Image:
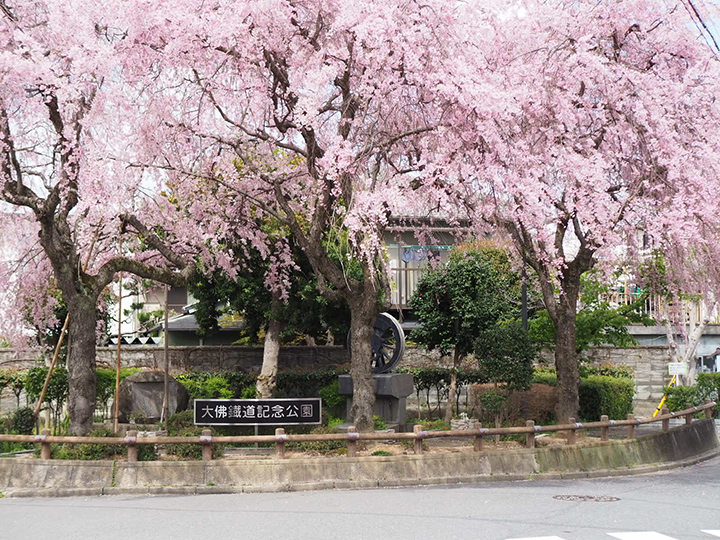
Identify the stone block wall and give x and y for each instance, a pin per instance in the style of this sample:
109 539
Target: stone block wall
651 373
648 362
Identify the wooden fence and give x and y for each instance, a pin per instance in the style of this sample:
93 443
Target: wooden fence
530 430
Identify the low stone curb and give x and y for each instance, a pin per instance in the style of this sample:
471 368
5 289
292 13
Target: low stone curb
346 484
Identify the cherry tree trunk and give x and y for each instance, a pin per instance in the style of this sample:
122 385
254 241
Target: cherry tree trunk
362 320
566 365
267 380
81 364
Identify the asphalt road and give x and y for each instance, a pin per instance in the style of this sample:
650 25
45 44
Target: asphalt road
679 504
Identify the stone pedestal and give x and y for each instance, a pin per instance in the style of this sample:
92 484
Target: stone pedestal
391 392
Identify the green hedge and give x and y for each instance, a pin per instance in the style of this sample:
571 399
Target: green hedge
708 387
606 395
598 395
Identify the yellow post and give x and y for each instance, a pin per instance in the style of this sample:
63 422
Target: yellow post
673 382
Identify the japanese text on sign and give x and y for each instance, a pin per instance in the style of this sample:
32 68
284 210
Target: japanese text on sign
257 411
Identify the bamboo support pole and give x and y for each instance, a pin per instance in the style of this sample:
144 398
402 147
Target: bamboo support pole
56 354
118 361
62 334
166 353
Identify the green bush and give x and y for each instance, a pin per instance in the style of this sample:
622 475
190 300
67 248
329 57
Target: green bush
679 396
381 453
305 383
505 353
180 421
606 395
607 369
249 392
545 377
320 447
95 451
205 385
191 450
599 394
331 396
6 426
428 425
23 421
709 385
378 423
181 425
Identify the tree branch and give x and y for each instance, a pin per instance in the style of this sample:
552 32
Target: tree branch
154 240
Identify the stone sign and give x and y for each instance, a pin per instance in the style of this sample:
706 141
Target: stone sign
141 395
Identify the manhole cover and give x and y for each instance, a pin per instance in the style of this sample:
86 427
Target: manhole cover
591 498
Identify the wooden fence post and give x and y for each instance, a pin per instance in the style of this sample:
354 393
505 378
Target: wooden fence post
280 439
688 416
530 436
665 421
604 430
630 433
572 437
478 439
132 451
206 440
710 411
352 441
44 445
417 429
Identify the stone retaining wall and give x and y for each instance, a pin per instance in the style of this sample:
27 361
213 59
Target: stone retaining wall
644 454
648 362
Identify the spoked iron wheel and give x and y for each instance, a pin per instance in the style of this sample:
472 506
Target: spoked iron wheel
388 343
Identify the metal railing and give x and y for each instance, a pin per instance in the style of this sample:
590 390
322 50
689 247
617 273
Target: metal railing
352 437
404 282
660 308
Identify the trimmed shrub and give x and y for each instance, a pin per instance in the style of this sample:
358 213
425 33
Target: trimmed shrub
606 395
709 385
90 451
679 396
180 420
181 425
191 450
545 377
598 395
319 447
607 369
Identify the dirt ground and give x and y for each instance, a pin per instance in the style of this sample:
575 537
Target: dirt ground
431 446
